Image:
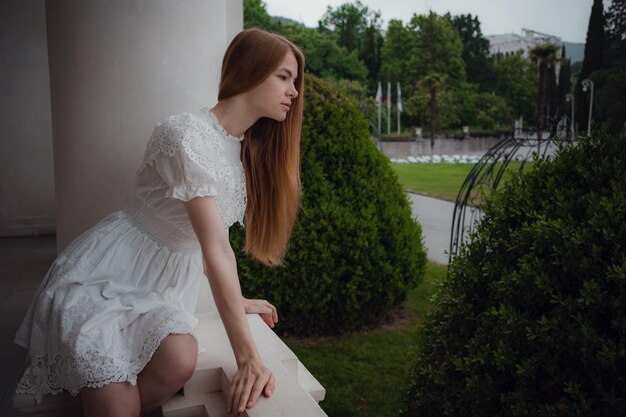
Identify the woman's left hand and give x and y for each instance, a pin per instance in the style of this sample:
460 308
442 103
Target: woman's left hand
267 311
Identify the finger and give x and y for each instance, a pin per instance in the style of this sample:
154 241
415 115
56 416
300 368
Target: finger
266 319
268 316
232 395
256 392
270 386
274 312
265 313
245 395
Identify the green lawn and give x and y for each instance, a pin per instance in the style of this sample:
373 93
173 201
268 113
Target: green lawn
366 374
440 180
436 180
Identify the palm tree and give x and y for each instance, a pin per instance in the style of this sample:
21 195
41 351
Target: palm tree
433 83
545 56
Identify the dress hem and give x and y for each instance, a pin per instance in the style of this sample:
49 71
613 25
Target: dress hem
35 383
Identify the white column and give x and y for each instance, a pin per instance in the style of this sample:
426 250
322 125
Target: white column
117 67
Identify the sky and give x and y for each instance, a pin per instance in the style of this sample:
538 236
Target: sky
567 19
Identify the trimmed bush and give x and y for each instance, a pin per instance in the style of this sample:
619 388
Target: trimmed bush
531 320
355 250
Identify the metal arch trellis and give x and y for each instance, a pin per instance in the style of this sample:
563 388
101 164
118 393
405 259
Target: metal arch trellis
488 172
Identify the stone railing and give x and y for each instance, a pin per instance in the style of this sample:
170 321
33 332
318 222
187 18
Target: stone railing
297 392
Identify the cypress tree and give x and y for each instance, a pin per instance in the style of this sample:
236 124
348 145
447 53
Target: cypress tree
615 25
564 86
552 91
593 61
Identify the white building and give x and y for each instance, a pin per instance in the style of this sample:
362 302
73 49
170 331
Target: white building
504 45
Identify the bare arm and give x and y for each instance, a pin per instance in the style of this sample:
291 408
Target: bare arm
263 308
221 269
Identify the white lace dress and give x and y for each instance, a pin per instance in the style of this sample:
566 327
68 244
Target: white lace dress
121 287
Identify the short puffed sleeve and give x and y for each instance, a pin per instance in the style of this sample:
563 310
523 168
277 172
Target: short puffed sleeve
183 158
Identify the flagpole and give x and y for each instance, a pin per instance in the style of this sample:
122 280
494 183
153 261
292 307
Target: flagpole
388 107
398 122
399 99
379 99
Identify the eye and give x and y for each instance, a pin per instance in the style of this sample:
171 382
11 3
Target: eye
283 77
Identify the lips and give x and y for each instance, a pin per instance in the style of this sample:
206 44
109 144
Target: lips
286 106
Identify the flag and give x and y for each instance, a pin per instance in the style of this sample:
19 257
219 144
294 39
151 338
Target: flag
379 95
399 99
389 94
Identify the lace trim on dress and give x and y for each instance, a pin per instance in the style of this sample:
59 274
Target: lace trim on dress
204 144
181 132
93 369
220 127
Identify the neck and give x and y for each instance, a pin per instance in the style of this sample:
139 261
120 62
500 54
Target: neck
233 115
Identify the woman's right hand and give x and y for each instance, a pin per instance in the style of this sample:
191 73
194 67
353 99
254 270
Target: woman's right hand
249 381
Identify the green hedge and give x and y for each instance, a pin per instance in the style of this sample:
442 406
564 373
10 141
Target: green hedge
355 249
531 320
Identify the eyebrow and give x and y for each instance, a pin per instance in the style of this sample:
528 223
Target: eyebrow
287 71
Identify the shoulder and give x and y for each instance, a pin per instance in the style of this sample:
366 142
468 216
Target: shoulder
190 133
176 127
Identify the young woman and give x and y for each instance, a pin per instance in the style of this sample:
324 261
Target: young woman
113 318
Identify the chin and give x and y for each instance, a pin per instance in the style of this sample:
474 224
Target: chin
278 118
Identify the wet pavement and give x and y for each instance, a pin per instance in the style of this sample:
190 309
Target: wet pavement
435 217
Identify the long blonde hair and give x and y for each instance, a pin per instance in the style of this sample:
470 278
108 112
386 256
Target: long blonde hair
270 152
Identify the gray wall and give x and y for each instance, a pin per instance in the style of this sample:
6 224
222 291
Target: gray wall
117 68
27 179
97 76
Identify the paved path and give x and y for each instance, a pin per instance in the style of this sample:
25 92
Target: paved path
435 216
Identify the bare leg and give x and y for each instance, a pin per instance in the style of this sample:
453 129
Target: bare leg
116 399
171 366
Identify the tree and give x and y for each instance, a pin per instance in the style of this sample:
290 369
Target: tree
594 45
255 15
564 85
545 58
434 113
492 111
615 31
428 44
371 52
324 57
357 28
593 60
516 81
475 52
611 83
438 48
609 105
465 104
397 49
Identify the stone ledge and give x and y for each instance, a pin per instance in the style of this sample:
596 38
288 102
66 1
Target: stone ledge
297 391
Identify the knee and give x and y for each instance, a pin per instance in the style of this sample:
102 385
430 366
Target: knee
181 368
180 362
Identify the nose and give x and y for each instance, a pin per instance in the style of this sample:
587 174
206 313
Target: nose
293 93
